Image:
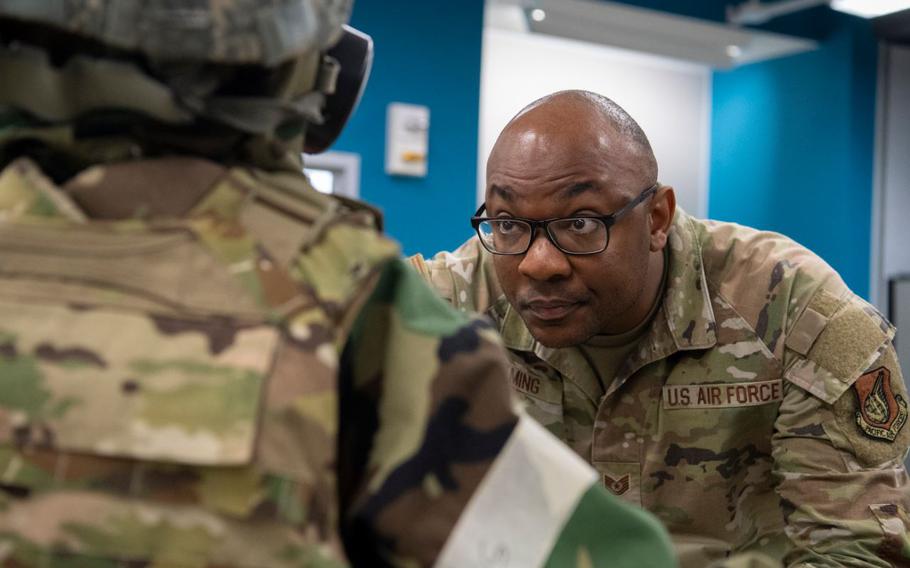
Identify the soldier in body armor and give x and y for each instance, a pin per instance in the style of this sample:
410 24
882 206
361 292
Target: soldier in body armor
204 361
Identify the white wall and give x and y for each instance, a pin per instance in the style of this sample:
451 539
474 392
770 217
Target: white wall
671 100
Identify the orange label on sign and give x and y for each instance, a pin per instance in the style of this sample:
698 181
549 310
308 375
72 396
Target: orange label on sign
722 395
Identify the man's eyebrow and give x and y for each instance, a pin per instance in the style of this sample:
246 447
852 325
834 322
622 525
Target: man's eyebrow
577 189
503 191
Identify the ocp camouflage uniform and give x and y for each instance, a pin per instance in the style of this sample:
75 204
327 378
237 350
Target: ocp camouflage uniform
762 415
205 362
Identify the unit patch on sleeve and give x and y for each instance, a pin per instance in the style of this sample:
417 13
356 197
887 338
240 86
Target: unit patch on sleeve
880 413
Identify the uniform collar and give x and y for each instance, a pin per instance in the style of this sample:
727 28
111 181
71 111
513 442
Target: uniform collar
686 301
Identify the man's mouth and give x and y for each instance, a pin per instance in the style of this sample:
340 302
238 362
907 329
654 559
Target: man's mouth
550 310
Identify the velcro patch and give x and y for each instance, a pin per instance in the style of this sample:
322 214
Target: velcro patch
722 395
880 413
806 331
851 342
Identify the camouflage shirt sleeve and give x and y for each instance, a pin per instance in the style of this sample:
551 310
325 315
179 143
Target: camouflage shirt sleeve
431 444
464 277
841 437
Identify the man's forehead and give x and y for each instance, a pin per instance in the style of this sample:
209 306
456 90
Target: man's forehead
510 194
562 171
531 147
563 130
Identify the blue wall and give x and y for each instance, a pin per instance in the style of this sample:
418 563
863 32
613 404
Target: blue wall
792 147
426 53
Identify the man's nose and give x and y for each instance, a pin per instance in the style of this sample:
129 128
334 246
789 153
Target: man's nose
544 261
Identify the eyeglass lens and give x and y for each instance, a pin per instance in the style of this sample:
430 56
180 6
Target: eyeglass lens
512 236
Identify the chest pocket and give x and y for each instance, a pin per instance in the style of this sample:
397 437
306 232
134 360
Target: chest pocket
134 371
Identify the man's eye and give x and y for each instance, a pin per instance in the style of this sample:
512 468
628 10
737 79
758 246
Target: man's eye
583 226
506 227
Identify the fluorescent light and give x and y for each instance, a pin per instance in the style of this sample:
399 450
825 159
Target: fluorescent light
538 15
870 8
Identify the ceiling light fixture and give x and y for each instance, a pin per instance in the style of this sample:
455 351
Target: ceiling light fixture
620 25
870 8
538 15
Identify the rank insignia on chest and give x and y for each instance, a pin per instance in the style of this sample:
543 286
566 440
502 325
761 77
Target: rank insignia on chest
880 413
618 486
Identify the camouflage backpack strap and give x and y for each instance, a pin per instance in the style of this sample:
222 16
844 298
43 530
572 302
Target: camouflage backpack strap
333 253
368 210
313 261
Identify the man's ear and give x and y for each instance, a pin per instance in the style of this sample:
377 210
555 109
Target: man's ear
662 210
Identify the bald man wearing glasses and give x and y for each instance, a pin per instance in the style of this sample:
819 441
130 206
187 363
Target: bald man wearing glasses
723 378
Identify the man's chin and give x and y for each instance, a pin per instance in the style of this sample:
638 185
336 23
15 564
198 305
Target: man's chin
557 337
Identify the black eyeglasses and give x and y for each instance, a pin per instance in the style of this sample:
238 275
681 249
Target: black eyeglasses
583 234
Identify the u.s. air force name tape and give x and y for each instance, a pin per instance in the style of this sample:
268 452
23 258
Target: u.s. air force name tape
722 395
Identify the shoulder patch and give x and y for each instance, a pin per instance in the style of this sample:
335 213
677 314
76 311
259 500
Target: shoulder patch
835 347
880 413
872 419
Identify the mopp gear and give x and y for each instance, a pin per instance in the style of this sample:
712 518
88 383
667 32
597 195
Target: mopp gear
206 362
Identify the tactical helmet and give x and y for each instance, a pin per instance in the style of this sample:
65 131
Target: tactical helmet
295 38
